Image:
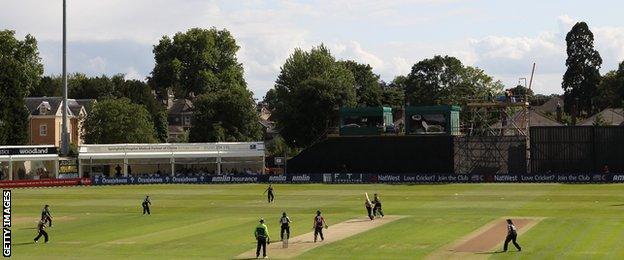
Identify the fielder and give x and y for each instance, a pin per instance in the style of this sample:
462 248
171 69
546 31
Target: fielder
146 203
262 236
41 228
318 224
46 216
285 221
270 196
512 234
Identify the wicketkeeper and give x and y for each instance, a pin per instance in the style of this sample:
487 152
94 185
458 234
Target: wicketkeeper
377 208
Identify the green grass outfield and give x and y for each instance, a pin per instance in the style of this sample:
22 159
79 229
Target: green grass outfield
217 221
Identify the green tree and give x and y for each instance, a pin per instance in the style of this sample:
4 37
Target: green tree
474 84
581 79
80 86
49 86
197 61
367 88
114 121
227 115
445 80
279 148
140 93
309 90
392 95
611 89
430 80
521 91
20 71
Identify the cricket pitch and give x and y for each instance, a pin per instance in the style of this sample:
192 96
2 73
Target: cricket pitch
302 243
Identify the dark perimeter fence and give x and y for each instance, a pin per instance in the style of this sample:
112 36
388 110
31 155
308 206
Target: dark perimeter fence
577 149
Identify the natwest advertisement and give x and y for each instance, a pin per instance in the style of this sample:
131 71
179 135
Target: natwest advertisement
45 183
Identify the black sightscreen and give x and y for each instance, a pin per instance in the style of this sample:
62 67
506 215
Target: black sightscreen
377 154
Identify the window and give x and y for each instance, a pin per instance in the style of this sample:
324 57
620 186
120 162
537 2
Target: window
187 120
43 130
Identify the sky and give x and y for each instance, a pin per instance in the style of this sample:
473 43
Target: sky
504 38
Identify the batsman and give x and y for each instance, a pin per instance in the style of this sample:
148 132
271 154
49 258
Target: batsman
319 223
285 228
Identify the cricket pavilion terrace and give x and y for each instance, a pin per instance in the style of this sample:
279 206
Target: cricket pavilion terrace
117 160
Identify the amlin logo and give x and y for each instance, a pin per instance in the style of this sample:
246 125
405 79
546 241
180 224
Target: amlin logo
277 178
618 177
301 178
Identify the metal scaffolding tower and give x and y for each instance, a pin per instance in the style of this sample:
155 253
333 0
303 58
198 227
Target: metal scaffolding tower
495 137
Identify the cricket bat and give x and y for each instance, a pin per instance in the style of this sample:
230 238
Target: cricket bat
367 197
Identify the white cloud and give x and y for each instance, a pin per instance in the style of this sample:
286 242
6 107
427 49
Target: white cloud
353 51
132 73
510 58
97 64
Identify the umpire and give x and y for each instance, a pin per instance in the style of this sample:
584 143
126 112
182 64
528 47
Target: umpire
262 236
146 203
512 234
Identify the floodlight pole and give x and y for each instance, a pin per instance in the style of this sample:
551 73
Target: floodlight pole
65 132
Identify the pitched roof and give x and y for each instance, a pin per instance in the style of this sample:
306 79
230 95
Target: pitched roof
551 105
181 106
33 103
536 118
611 116
54 103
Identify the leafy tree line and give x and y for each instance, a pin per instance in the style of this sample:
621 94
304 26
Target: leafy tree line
312 85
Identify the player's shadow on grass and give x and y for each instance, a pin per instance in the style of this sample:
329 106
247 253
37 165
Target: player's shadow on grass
23 243
358 220
489 253
617 205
